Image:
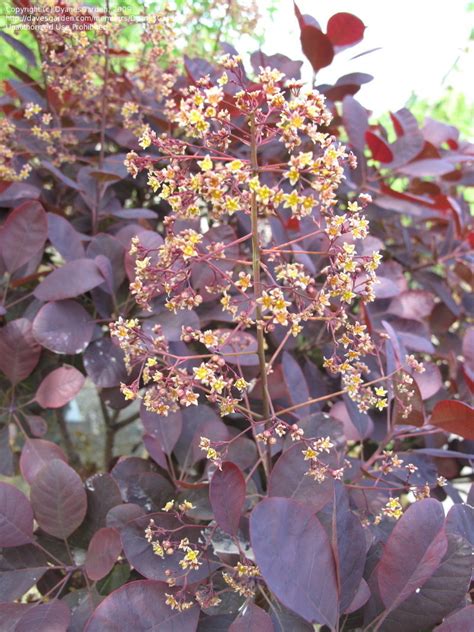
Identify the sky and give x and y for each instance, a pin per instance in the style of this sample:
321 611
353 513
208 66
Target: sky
420 41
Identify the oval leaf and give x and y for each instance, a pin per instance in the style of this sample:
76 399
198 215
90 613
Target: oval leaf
59 387
103 551
454 416
412 553
295 558
316 46
345 29
227 496
16 517
58 499
19 351
36 453
288 479
140 606
72 279
23 234
45 617
63 327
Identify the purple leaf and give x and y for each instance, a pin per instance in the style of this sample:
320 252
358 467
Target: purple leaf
140 606
104 363
407 400
63 327
227 496
295 558
442 593
412 553
348 543
58 499
288 479
102 495
460 620
20 568
72 279
254 619
460 520
65 238
16 517
23 234
356 121
379 148
166 430
36 453
24 51
19 351
53 616
59 387
103 551
427 167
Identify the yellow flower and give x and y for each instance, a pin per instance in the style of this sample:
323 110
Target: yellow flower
169 506
206 164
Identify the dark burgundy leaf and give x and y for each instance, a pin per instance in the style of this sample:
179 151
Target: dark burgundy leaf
427 167
295 383
412 553
72 279
140 606
437 133
361 597
103 551
413 304
36 453
63 327
23 235
65 238
102 494
316 46
16 517
153 447
227 496
253 619
19 351
104 363
165 429
348 543
58 499
60 176
444 591
20 568
11 613
24 51
379 149
461 620
454 416
135 213
288 479
460 520
295 558
345 29
59 387
356 121
53 616
202 421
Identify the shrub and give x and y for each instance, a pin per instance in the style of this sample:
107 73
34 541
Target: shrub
303 384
